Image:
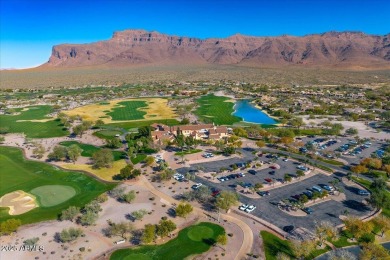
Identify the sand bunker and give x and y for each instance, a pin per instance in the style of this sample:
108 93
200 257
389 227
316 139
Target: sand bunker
18 202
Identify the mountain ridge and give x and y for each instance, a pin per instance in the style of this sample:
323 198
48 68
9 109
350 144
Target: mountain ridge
147 48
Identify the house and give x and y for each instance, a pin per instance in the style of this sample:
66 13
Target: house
199 131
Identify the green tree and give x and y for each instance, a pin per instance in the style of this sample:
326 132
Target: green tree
88 218
300 174
150 160
260 144
74 152
39 151
103 158
149 234
70 213
382 223
287 178
102 198
351 131
114 143
373 251
71 234
129 197
302 249
117 192
122 229
165 227
222 240
9 226
226 200
59 153
139 214
93 206
184 209
31 242
241 132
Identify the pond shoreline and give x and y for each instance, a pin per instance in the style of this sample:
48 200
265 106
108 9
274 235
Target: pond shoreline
256 107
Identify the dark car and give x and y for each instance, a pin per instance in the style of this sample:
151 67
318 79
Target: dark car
252 172
308 210
288 229
263 193
272 172
268 180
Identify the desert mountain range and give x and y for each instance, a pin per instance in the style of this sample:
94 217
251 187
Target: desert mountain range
140 47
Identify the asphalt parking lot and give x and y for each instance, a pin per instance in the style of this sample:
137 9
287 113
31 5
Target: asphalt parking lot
345 140
324 211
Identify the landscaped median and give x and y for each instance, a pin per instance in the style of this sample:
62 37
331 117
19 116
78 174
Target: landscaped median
190 241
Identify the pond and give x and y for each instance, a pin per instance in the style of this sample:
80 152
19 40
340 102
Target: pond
249 113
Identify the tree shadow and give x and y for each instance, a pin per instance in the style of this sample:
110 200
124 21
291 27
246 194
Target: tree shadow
356 205
209 241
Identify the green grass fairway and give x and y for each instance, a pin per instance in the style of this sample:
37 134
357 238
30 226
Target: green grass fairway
89 150
16 173
136 124
190 241
51 195
216 109
128 110
46 129
107 134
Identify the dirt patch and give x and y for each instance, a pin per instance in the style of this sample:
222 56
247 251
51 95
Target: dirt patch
18 202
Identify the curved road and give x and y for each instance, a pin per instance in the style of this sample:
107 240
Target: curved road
247 242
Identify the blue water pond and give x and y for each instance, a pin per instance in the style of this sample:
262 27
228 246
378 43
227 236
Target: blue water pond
249 113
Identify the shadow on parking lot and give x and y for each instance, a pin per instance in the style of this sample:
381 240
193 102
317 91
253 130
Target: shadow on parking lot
331 215
352 189
356 205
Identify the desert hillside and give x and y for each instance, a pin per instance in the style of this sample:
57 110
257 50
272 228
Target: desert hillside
354 50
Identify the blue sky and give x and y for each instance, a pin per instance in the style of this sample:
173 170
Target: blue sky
29 28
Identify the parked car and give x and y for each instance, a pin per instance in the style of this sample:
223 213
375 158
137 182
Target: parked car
243 207
272 172
327 187
316 188
273 167
196 186
308 210
263 193
250 208
268 180
363 192
253 172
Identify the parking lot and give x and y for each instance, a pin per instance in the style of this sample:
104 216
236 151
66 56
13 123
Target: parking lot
336 148
325 211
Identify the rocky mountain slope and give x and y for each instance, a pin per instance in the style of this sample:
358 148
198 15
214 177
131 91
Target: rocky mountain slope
139 47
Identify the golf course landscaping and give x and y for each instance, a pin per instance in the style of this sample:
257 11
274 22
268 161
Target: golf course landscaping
216 109
125 110
25 183
89 150
192 240
33 122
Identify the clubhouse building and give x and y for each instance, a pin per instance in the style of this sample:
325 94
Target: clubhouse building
199 132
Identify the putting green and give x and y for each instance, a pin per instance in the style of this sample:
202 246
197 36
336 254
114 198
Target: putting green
51 195
198 233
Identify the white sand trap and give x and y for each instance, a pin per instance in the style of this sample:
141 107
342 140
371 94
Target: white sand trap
18 202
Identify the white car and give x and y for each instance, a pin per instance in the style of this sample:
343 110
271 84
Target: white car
285 160
196 186
243 207
250 208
